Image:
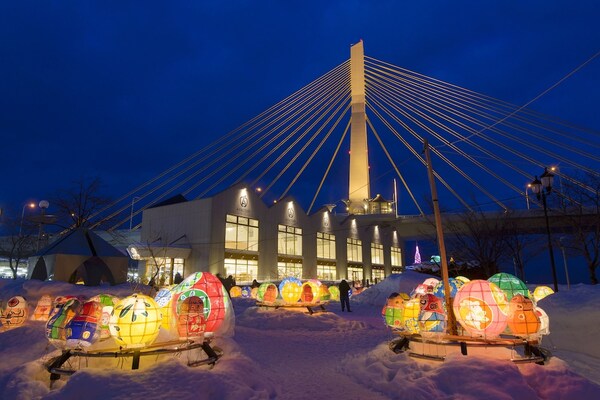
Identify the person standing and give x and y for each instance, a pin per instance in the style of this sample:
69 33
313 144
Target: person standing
344 295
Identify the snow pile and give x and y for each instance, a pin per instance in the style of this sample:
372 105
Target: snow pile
377 295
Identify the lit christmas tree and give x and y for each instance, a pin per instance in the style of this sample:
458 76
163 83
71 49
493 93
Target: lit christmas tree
417 255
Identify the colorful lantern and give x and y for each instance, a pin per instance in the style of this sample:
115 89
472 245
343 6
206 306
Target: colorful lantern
393 310
235 291
410 317
424 288
254 293
135 321
544 321
522 319
290 289
540 292
60 316
432 319
510 285
191 323
82 330
324 293
334 292
438 290
310 292
107 302
267 293
163 300
42 309
481 308
15 314
462 279
246 292
217 304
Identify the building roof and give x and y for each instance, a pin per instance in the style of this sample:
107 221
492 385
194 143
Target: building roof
81 242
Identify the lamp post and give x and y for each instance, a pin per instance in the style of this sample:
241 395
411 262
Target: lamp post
562 248
543 187
131 214
30 205
44 206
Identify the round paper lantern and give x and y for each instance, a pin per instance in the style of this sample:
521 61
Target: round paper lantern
16 312
522 319
510 285
217 304
235 291
82 329
425 287
462 279
540 292
191 323
481 308
433 282
334 292
544 321
393 310
60 316
267 293
163 300
42 309
439 288
246 292
107 301
290 289
310 292
410 317
254 293
432 320
324 293
135 321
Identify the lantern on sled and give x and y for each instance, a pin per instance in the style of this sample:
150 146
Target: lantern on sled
135 321
432 319
190 320
410 316
163 300
324 294
393 310
267 293
334 292
16 312
246 292
310 292
107 302
439 290
60 316
522 319
235 291
42 309
541 292
481 308
290 289
510 285
83 328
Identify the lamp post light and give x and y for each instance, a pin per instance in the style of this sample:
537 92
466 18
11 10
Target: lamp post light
30 205
43 206
131 213
543 187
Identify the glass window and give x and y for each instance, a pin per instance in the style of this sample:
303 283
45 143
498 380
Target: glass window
325 245
242 270
355 275
289 240
376 253
354 250
326 272
241 233
377 274
289 268
396 256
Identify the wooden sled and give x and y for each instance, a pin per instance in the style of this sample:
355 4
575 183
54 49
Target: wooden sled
311 307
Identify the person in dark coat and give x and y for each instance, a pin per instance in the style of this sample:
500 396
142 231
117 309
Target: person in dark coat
255 284
344 295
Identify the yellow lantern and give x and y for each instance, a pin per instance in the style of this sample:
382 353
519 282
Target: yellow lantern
235 291
290 289
135 321
163 300
42 309
334 291
410 317
541 292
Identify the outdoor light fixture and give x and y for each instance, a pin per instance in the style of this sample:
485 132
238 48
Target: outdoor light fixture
543 187
30 205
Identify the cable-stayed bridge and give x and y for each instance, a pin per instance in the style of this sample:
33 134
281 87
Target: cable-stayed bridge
359 130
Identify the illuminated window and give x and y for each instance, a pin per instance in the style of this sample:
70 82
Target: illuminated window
243 270
325 245
376 253
289 268
326 272
289 240
167 268
241 233
355 274
377 274
354 250
396 256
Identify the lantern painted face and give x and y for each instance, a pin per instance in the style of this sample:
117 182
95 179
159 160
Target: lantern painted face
310 292
267 292
16 312
191 322
480 308
135 321
510 285
290 289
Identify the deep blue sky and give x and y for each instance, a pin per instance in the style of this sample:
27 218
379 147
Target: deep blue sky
123 90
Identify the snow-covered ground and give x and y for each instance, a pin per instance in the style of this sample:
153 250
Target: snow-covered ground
288 354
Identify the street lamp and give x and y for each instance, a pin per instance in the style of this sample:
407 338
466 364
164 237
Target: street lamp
131 214
543 187
30 205
44 206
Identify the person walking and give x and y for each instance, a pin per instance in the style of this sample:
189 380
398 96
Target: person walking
344 295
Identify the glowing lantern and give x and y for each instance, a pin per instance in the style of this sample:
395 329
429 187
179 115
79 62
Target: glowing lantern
510 285
481 308
310 292
544 321
410 317
235 291
246 292
267 293
462 280
522 319
290 289
42 309
334 292
393 310
135 321
191 322
60 316
163 300
439 288
254 292
432 320
324 293
431 282
82 329
217 304
540 292
424 288
107 302
16 312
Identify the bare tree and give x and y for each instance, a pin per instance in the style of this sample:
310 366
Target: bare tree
19 244
78 205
